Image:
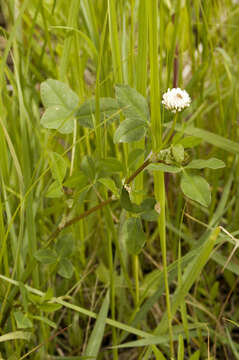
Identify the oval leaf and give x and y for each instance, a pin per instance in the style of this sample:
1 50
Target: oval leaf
65 268
46 256
212 163
196 188
164 168
58 117
132 103
134 235
126 202
54 92
58 166
79 180
148 210
49 307
109 184
129 131
22 321
61 102
65 245
54 190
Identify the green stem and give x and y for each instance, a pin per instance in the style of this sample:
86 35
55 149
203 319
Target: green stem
136 277
110 224
159 186
170 133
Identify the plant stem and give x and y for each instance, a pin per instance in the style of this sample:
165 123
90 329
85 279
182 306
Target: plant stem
170 133
159 188
136 277
78 218
141 168
97 207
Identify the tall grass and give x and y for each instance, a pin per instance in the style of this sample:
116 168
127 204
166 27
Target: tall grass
70 288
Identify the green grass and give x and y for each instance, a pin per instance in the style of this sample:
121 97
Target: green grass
84 273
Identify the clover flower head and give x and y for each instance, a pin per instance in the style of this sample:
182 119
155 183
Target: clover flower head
176 99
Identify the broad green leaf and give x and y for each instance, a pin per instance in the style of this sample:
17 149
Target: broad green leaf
54 190
79 180
22 320
134 235
126 202
129 131
46 256
60 103
48 295
49 307
196 188
212 163
132 103
190 141
59 118
134 156
108 109
65 245
97 335
35 299
65 268
54 92
148 212
16 335
109 184
150 215
178 153
58 166
109 165
164 168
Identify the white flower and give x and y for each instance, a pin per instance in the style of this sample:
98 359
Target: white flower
176 99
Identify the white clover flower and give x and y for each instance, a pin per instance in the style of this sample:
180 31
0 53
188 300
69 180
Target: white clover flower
176 99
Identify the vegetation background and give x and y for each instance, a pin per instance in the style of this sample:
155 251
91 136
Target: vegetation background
173 298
